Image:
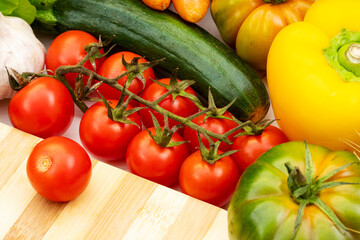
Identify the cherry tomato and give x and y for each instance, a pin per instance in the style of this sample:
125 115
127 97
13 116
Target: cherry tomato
144 157
181 106
104 138
59 169
215 125
68 49
251 146
113 67
212 183
44 108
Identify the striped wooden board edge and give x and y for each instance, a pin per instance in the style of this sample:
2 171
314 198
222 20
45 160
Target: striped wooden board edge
115 205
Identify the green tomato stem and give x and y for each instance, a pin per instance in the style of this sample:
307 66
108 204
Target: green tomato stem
305 189
61 71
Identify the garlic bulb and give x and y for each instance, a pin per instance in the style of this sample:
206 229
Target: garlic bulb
19 49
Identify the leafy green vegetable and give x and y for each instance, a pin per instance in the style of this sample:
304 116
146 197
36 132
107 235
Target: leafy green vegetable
8 6
19 8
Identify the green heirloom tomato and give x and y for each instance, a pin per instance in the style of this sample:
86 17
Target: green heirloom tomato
273 200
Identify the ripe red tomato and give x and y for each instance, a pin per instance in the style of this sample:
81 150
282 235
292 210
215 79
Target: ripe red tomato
68 49
59 169
212 183
252 146
144 157
44 108
113 67
181 106
105 139
215 125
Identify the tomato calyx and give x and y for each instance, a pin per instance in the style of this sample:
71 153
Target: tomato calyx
120 113
211 155
136 70
253 129
215 112
97 54
82 91
304 189
18 81
163 135
177 88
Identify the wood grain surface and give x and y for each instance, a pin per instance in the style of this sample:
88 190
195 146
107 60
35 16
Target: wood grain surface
115 205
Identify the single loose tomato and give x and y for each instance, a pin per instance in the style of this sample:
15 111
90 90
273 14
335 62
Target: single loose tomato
69 49
212 183
252 146
181 106
44 107
104 138
113 67
213 124
146 158
59 169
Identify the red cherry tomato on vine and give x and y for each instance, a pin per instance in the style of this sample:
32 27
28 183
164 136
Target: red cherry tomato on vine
212 183
144 157
252 146
59 169
68 49
105 139
215 125
44 107
181 106
113 67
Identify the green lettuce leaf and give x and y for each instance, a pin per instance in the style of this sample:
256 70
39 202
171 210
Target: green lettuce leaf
8 6
18 8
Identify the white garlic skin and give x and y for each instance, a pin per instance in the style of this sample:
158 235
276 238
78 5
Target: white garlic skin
19 49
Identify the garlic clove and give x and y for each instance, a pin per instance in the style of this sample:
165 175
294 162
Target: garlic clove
19 49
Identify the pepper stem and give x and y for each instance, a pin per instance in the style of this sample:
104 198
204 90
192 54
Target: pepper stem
349 58
343 54
353 53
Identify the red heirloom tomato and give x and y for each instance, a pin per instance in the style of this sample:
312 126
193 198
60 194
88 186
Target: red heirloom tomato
252 146
104 138
44 107
212 183
59 169
68 49
144 157
216 125
113 67
181 106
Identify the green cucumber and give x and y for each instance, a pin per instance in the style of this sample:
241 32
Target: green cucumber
154 34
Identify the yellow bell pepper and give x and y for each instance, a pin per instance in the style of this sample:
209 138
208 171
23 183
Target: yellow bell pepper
250 26
313 74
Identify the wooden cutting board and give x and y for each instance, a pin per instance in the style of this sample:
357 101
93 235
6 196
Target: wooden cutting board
115 205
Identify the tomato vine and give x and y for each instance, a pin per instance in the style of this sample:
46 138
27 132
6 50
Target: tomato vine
135 69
